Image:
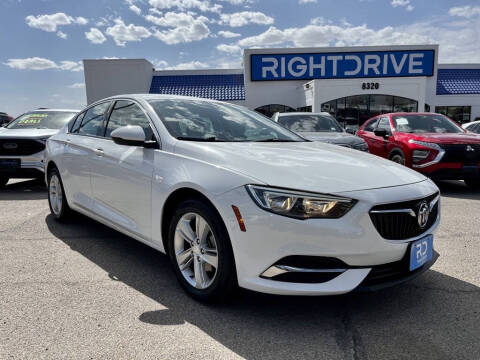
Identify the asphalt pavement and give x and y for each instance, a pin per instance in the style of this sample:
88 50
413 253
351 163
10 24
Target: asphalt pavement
84 291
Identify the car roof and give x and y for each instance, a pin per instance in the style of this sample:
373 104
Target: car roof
158 96
53 110
303 113
409 113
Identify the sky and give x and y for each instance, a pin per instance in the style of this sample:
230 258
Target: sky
43 42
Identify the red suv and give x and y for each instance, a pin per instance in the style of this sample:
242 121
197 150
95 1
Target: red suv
430 143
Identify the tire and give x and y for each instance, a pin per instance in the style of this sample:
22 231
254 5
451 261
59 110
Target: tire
198 275
3 181
398 158
57 200
474 184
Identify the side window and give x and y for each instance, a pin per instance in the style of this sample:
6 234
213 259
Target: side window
125 113
384 123
370 126
76 123
92 122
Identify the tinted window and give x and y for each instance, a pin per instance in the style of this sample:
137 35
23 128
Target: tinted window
371 125
92 123
76 123
128 113
475 128
429 123
42 120
310 123
384 123
212 121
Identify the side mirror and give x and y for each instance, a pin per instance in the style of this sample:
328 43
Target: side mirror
350 131
132 135
381 132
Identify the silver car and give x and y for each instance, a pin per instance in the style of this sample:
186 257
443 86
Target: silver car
319 127
22 142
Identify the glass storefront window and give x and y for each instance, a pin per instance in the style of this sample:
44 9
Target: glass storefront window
353 111
401 104
460 114
380 104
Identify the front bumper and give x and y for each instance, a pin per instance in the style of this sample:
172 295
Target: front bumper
452 171
30 166
351 239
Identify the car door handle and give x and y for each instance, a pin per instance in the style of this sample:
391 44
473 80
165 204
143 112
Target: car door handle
98 152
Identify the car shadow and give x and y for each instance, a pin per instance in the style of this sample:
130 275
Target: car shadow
433 317
31 189
457 189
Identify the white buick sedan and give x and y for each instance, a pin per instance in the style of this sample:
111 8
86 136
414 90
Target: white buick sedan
235 199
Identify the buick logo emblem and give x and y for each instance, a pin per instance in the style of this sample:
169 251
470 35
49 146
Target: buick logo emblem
10 146
423 214
469 148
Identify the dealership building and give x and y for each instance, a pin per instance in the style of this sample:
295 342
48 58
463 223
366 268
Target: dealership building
352 83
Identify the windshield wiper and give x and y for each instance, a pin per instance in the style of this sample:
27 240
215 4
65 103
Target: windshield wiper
207 139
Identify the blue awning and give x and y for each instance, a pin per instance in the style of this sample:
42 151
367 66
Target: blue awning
225 87
458 81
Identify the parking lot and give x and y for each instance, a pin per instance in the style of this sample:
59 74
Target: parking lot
82 290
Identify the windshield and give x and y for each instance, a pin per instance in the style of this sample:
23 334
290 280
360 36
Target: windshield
41 120
310 123
428 123
211 121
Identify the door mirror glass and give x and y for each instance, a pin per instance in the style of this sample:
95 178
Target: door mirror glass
132 135
381 132
350 130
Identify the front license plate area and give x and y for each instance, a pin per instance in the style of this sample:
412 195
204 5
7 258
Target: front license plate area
9 163
421 252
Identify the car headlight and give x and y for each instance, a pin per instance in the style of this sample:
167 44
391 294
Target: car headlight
300 205
426 144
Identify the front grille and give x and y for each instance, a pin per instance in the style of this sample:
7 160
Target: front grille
20 147
458 153
399 225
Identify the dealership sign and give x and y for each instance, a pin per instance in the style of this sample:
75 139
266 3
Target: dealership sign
342 65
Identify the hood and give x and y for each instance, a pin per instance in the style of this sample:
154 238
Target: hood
26 133
332 137
462 138
308 166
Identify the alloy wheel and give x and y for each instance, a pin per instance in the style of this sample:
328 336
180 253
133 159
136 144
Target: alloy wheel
55 194
196 250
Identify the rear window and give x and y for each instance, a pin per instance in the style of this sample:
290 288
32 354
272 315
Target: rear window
42 120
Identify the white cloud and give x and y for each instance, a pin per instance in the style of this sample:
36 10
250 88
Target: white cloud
189 66
34 63
230 49
458 40
135 9
307 1
245 17
467 11
61 35
155 11
238 2
79 85
184 27
38 63
95 36
202 5
159 64
228 34
51 22
396 3
71 65
410 7
122 33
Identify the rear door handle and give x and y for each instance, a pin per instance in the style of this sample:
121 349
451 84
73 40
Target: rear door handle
98 152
